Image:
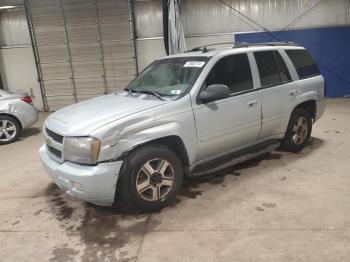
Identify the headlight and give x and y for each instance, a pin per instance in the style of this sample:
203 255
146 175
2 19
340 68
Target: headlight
84 150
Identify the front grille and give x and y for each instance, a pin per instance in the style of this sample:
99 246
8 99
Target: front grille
56 137
54 151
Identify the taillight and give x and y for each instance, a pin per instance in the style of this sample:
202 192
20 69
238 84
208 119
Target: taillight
27 99
321 91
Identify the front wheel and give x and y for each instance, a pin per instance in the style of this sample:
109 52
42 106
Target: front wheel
151 178
298 131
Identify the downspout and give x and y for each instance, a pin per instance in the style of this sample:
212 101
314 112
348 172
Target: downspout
133 30
165 25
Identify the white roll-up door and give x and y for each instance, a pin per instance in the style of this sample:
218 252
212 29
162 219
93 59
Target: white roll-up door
84 48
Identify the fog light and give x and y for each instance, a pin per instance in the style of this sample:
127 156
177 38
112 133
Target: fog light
77 186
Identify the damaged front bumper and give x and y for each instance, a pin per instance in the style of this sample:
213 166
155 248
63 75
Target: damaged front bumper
94 184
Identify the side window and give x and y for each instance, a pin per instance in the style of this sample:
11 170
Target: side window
284 72
304 63
267 66
233 71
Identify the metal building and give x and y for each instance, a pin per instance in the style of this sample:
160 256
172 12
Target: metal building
66 51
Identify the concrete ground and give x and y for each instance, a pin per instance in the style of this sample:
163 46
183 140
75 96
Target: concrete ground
280 207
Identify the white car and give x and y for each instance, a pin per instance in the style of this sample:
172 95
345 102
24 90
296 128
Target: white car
16 113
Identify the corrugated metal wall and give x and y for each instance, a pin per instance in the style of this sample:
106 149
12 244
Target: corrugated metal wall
13 29
84 47
17 63
272 14
203 17
207 21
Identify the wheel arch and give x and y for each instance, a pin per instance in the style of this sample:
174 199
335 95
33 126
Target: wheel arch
173 142
309 105
14 117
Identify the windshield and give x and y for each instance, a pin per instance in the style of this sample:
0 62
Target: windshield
169 77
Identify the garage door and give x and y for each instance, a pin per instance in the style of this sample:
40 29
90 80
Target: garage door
84 48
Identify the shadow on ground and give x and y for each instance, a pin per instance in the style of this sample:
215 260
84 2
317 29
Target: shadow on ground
191 185
32 131
105 233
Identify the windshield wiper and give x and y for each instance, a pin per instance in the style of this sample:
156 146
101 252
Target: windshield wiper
151 93
129 90
145 92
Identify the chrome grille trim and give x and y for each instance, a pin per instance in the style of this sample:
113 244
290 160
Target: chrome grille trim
54 144
57 153
56 137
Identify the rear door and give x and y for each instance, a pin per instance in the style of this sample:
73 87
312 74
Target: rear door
230 123
276 93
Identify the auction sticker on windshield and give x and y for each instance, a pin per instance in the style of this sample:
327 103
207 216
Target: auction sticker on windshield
194 64
175 92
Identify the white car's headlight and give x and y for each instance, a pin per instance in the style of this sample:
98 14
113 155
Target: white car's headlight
84 150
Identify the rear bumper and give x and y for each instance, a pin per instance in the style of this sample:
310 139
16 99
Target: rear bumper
320 108
29 117
97 183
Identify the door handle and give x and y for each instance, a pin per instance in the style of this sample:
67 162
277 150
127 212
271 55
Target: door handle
293 92
252 103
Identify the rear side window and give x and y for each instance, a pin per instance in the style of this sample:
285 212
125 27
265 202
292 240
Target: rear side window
267 68
303 63
284 72
272 69
233 71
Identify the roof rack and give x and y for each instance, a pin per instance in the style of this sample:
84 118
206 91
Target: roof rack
205 48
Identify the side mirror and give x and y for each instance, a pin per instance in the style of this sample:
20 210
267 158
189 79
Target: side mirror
214 92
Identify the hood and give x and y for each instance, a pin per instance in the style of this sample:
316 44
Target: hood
82 118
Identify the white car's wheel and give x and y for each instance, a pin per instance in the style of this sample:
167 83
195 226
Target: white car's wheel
9 129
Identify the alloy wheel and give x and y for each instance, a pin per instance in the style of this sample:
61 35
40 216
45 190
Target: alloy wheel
155 179
8 130
300 130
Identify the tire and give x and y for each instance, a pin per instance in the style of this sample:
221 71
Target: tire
298 131
151 178
9 129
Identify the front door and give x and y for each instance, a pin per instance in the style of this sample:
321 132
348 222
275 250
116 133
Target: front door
230 123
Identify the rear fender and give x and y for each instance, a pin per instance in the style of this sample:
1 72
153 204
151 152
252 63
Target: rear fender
308 96
10 108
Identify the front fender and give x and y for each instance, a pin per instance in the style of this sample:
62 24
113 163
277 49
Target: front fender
150 134
180 125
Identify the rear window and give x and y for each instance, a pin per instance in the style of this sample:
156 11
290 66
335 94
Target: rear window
304 63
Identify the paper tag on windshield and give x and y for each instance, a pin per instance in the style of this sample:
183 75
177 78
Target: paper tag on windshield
194 64
175 92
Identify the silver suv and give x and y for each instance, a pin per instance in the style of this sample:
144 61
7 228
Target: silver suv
184 115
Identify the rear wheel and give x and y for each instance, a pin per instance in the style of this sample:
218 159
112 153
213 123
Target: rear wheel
298 131
9 129
151 178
